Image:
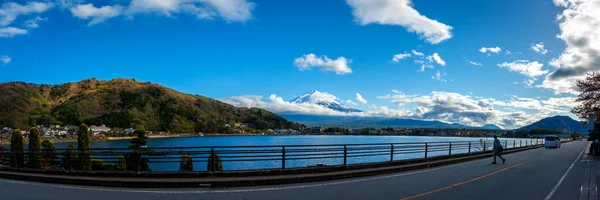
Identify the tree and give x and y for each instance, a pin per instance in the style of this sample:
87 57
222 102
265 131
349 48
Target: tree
587 100
589 96
48 153
68 157
575 136
121 163
35 148
16 147
135 161
214 163
186 164
83 147
140 140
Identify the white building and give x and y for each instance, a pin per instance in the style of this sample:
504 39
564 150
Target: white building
99 129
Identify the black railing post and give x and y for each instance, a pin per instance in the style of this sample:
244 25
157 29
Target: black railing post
283 157
345 154
137 161
426 150
469 147
449 148
514 144
526 143
212 159
484 147
506 144
520 143
392 153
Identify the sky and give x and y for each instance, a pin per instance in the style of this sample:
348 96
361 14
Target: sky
508 62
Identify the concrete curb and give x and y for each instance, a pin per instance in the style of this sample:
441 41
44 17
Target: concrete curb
237 179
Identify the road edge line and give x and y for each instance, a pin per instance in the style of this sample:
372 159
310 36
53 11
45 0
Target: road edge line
549 196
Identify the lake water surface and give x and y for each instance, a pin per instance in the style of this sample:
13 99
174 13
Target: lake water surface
285 140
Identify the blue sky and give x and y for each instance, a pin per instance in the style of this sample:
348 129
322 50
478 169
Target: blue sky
236 49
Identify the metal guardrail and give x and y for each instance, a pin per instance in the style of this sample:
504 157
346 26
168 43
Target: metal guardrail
249 157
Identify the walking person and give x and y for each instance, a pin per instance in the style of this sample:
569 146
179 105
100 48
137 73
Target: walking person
498 150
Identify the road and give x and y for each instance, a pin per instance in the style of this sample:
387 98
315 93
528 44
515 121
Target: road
534 174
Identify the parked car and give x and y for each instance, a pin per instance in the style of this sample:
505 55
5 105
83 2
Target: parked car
552 141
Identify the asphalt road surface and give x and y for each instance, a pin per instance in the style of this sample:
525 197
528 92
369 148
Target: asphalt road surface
534 174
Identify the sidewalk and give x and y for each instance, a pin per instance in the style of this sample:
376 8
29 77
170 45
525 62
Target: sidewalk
589 186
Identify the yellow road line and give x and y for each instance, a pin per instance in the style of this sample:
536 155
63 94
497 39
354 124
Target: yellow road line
465 182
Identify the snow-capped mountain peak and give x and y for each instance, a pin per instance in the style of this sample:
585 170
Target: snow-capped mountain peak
324 99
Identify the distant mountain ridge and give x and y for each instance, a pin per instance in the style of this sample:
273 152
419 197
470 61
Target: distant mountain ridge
558 123
324 99
360 122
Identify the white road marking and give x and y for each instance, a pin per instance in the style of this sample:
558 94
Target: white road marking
243 190
564 176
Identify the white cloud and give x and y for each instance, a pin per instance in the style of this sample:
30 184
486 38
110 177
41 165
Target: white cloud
426 62
360 99
11 11
437 59
508 52
474 63
351 102
490 49
34 23
416 53
400 13
530 69
539 47
579 24
424 66
439 76
396 91
9 32
400 56
228 10
529 82
5 60
387 96
308 61
443 106
97 15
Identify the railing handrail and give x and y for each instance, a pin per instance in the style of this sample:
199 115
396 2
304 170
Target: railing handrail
297 145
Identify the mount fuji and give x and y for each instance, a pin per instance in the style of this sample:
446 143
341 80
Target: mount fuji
324 99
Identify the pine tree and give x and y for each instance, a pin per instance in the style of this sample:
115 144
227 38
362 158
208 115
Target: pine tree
35 148
16 147
83 147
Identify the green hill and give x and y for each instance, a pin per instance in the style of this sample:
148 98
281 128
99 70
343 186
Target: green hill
125 103
557 123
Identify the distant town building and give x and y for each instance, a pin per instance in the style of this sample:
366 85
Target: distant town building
99 129
129 130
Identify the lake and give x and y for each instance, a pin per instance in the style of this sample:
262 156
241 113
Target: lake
284 140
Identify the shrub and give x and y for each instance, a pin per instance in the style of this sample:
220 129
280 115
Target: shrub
186 164
16 147
35 148
48 153
69 159
218 164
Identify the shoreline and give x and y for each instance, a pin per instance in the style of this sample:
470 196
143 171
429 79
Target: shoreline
69 140
73 139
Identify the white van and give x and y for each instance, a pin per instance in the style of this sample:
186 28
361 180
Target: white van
552 141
